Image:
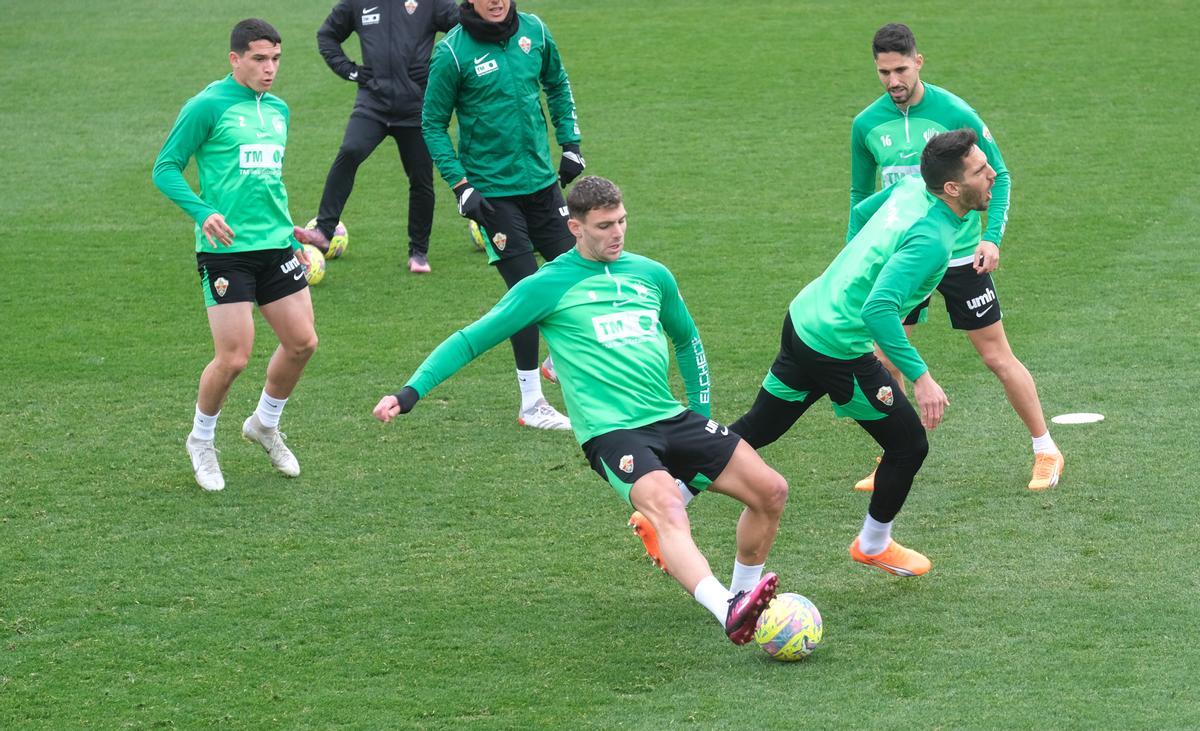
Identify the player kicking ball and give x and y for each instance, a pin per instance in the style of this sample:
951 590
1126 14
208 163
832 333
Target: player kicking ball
606 314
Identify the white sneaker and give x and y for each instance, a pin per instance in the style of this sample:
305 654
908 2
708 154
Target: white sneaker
270 439
548 370
543 416
204 464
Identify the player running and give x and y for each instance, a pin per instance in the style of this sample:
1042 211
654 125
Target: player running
887 138
900 242
246 246
604 313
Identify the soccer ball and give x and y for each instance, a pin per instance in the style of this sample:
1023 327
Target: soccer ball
476 236
316 268
338 243
789 628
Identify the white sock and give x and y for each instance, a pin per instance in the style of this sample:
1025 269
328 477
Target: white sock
745 577
204 427
713 597
1044 444
685 492
269 409
531 388
874 537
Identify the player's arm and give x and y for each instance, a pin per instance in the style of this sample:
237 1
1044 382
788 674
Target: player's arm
863 166
523 305
333 32
441 96
559 99
678 324
861 213
190 130
918 258
445 15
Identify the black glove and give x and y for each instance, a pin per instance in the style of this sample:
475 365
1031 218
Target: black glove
472 205
407 397
362 75
571 164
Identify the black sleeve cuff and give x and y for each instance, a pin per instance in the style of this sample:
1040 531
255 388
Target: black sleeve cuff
408 398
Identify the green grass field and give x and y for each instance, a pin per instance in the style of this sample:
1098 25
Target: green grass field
456 571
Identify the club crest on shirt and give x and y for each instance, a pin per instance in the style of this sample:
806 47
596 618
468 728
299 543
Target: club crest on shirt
410 6
500 241
525 44
221 286
627 464
884 396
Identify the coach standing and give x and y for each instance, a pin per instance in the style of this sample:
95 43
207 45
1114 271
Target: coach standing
396 38
490 72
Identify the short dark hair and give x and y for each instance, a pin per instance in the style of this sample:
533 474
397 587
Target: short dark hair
249 31
894 38
591 192
944 157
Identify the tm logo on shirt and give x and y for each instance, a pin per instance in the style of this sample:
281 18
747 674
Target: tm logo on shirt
257 159
626 327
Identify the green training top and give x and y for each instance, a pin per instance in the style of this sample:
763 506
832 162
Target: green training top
495 90
238 137
888 141
893 261
605 325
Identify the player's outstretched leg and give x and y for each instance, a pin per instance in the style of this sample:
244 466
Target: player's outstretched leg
643 529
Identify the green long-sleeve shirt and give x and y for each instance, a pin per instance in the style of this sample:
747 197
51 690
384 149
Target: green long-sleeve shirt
238 138
887 141
895 258
495 91
607 325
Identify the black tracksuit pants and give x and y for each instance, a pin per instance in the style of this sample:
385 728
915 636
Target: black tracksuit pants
362 137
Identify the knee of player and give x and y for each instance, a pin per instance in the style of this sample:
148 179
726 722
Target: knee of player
305 348
233 361
774 490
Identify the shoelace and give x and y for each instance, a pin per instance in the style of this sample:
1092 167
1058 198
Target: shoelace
208 460
1044 468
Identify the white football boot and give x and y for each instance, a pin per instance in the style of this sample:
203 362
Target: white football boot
204 464
543 416
271 439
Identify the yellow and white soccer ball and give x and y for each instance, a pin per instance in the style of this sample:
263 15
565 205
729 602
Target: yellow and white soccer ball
316 265
789 629
476 235
338 243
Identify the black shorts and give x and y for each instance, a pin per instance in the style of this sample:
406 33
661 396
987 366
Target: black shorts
522 223
860 388
971 299
689 446
249 276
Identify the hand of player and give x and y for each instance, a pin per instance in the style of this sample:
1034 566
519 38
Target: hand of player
396 403
471 204
362 75
987 257
301 255
387 408
931 399
215 227
571 164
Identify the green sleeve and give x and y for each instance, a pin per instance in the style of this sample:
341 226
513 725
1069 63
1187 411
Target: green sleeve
863 167
861 213
559 99
916 260
678 324
441 95
520 307
191 129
